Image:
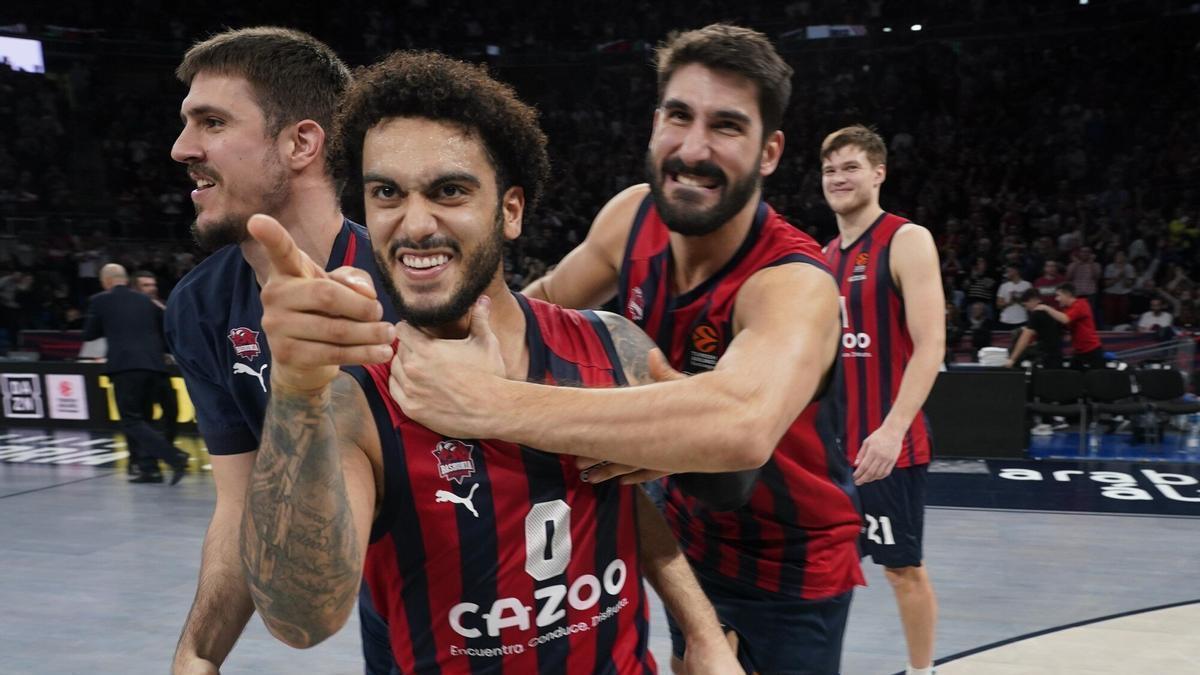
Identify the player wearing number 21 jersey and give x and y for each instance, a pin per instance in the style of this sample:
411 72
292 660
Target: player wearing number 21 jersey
893 342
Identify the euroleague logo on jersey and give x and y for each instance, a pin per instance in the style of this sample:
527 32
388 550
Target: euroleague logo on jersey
704 339
705 342
859 273
454 460
245 343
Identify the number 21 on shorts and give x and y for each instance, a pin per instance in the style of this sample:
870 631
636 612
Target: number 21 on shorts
877 525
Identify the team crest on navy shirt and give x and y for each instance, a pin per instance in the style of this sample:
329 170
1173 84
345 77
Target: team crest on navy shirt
245 343
454 460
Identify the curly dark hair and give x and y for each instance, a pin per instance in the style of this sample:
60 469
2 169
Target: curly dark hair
434 86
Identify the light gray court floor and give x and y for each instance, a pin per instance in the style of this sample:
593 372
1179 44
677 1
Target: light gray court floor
96 575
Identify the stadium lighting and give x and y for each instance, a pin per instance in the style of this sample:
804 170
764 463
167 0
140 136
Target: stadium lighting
887 29
1083 2
916 26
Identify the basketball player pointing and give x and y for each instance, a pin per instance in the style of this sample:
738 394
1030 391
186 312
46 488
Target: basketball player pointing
893 342
484 557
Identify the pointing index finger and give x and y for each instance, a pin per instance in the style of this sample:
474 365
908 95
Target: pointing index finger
285 257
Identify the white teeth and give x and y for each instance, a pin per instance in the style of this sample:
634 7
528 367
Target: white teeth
425 262
690 181
202 183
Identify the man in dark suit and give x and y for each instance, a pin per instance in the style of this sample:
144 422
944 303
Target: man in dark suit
147 284
132 325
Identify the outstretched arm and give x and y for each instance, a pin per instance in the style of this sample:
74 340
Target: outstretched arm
731 418
645 364
1058 316
588 275
312 492
308 512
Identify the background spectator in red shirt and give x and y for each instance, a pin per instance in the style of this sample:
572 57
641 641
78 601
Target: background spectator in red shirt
1077 316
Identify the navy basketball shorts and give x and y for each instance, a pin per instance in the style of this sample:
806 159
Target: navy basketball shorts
376 642
776 636
894 517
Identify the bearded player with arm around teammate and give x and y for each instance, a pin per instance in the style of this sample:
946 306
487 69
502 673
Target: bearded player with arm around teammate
741 301
893 342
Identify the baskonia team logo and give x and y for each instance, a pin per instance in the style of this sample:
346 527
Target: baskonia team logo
245 343
454 460
636 304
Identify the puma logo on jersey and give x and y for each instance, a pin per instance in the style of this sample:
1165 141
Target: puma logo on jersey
447 496
247 370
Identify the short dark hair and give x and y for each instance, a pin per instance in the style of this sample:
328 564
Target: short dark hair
1068 288
145 273
734 49
294 75
436 87
1030 294
857 135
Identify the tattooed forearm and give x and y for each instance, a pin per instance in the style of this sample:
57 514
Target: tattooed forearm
633 347
299 548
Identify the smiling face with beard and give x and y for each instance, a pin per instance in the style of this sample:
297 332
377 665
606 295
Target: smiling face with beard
436 218
707 155
687 214
230 157
479 269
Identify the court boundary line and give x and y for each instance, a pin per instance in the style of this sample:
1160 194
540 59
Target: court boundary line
1063 512
51 487
1055 629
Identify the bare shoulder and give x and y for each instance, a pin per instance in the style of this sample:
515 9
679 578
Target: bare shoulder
913 235
628 199
776 293
795 283
615 219
917 272
914 253
633 346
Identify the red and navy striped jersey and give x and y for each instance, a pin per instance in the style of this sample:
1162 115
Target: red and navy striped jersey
876 345
489 557
797 535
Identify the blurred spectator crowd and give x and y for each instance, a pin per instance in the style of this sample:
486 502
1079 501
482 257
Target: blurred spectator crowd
1046 146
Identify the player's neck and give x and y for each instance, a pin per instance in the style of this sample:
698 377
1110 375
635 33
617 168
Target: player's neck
507 322
851 225
698 258
312 218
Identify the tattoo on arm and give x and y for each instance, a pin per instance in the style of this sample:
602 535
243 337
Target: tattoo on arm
633 347
299 548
